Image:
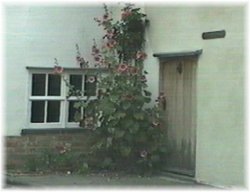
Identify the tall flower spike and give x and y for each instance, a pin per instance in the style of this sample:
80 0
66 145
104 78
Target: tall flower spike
78 50
80 60
56 62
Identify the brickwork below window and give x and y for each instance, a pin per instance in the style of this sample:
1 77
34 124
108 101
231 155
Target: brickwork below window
18 149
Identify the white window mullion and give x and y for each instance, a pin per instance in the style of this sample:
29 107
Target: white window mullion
64 104
46 94
49 98
84 97
45 111
46 84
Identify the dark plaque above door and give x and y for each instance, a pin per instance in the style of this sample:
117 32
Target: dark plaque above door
214 34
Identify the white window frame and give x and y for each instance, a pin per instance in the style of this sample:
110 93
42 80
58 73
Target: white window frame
64 107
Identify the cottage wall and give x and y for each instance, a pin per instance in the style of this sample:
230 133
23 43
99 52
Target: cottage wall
35 35
220 81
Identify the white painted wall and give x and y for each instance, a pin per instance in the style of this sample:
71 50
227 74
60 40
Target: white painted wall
220 82
34 36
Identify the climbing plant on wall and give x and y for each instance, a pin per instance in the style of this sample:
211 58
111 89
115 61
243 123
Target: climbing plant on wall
128 134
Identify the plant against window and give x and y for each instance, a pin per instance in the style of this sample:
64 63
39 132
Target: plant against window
129 135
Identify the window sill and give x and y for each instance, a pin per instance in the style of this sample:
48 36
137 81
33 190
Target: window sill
53 131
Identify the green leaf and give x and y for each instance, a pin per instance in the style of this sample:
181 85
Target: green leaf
141 137
134 128
106 106
126 105
109 142
111 130
107 162
163 149
120 115
139 116
147 93
128 123
125 151
119 134
77 105
155 158
147 99
114 98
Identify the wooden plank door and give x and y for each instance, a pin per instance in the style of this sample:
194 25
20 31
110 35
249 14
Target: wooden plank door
178 82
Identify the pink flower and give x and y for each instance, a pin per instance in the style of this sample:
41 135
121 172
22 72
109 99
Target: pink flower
111 43
110 34
95 50
97 58
126 14
91 79
122 68
140 55
143 154
133 70
58 70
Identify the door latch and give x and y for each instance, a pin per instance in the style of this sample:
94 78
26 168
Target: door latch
179 68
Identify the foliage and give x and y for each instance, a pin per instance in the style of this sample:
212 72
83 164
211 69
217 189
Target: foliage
129 135
60 159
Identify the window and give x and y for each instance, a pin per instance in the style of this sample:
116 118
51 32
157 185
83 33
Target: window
49 106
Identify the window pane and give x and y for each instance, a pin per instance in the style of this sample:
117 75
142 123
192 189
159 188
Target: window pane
54 85
90 85
53 111
38 84
76 81
37 111
73 111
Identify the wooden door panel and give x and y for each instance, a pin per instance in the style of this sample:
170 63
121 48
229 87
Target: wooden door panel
178 84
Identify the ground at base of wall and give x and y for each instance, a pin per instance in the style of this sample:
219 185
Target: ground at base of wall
96 180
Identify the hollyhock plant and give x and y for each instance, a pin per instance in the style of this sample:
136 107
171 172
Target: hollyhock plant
80 60
123 114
